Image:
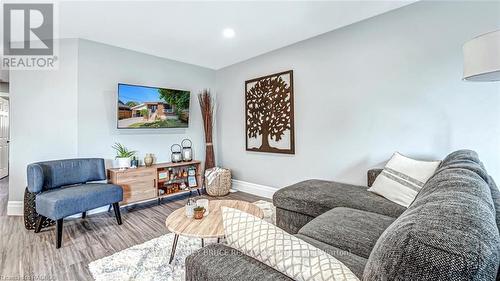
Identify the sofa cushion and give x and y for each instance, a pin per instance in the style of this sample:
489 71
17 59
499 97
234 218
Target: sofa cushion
464 159
355 263
59 203
495 196
448 233
315 197
291 221
348 229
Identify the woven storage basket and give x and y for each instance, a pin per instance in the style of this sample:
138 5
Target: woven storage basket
218 182
30 213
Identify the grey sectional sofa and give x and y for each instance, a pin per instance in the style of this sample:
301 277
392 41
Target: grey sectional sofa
449 232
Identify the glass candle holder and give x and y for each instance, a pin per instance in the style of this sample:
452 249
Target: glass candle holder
190 205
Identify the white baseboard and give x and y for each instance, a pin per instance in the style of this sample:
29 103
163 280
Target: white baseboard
15 208
255 189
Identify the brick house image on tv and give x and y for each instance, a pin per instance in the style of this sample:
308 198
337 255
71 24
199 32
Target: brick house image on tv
151 111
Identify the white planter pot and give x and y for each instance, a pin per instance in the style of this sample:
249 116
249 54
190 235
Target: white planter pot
123 163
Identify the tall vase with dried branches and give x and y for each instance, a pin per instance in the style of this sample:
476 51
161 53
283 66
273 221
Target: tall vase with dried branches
207 112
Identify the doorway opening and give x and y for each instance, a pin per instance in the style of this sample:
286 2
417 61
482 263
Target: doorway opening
4 148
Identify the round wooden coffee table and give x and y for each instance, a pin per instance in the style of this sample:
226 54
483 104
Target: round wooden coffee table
210 226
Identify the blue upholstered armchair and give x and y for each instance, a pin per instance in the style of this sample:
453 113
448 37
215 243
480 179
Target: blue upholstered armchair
63 189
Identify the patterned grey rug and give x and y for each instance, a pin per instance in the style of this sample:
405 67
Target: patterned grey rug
149 261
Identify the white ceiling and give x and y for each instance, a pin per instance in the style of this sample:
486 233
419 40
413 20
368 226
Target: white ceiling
192 31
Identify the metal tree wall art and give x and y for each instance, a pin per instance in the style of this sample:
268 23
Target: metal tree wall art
269 113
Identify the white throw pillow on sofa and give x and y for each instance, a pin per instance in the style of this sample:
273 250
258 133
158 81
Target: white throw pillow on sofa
284 252
402 178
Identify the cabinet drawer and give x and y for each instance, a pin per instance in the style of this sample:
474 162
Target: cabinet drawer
138 195
139 185
139 175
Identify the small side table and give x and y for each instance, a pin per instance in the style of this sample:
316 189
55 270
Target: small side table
210 226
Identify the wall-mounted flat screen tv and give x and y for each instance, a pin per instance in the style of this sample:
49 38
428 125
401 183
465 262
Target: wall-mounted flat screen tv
141 107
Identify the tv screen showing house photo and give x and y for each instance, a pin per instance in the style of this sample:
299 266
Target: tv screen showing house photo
141 107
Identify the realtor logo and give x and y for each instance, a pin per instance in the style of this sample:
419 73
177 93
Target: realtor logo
28 37
28 29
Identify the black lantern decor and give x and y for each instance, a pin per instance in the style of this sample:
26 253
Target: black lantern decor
176 153
187 151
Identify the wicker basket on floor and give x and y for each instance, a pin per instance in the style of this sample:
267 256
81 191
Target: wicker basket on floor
30 213
218 181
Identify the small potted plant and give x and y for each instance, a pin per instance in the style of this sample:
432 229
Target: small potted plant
199 212
123 155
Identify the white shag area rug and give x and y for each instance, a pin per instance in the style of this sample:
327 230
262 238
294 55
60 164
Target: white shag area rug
149 261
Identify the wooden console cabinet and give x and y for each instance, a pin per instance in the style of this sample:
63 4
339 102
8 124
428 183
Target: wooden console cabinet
144 183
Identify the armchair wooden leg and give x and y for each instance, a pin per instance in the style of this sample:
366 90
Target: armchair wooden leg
118 216
84 215
59 226
39 222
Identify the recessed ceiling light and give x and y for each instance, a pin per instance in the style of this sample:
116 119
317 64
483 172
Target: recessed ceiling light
228 32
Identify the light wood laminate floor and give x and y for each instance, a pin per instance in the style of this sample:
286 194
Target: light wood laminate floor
25 255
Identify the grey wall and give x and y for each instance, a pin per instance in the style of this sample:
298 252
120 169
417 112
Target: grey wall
100 68
71 112
43 119
389 83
